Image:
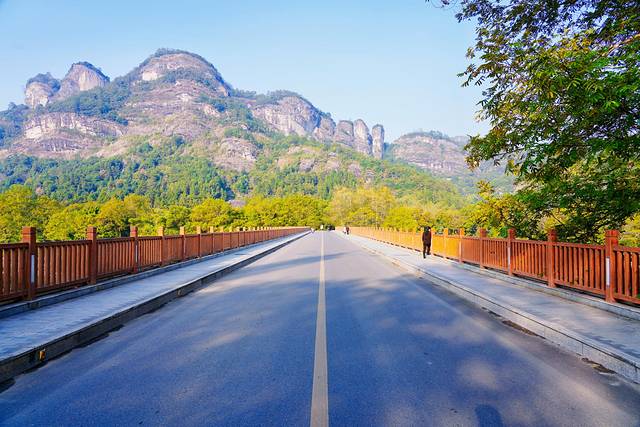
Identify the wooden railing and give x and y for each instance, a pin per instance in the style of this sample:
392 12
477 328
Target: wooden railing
610 271
31 268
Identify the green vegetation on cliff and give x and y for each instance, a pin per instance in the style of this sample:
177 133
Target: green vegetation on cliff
168 173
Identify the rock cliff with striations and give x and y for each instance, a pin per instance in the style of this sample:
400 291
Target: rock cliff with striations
178 94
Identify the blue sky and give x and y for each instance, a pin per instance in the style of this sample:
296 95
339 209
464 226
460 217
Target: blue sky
392 62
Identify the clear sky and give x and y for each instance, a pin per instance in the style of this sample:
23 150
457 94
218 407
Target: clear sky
390 61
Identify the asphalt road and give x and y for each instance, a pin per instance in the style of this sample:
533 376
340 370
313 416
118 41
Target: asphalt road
251 350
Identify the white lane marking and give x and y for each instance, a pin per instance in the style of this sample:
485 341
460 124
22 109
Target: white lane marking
320 394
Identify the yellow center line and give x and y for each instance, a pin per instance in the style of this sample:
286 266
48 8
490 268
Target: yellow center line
320 394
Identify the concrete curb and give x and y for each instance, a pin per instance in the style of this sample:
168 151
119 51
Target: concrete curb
571 295
609 357
19 363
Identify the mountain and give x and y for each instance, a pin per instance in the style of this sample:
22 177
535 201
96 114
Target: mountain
174 129
170 93
444 156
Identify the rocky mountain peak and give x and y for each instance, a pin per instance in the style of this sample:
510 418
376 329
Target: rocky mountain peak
361 137
377 140
80 77
173 65
40 89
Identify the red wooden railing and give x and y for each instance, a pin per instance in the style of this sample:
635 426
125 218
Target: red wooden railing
610 271
31 268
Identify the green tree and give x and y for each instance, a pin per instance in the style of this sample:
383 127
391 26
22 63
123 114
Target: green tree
71 222
363 206
561 89
173 218
403 218
212 213
113 219
19 207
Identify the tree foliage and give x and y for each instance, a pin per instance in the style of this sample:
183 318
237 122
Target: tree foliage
561 89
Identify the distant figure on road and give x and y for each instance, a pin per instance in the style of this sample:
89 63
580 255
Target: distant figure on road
426 241
347 229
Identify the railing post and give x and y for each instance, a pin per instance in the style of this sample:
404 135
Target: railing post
445 234
92 236
483 235
135 259
29 237
511 235
461 235
199 232
162 245
610 240
213 239
552 238
183 239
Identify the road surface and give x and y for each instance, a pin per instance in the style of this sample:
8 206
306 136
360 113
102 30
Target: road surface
319 332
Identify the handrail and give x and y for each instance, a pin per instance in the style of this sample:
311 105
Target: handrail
610 270
31 268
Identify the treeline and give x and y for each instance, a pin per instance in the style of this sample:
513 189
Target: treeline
21 206
362 206
367 206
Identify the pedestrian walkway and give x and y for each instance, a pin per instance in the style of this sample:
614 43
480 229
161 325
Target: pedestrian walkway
598 335
26 334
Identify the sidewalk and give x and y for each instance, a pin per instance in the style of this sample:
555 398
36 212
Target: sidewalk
35 336
601 336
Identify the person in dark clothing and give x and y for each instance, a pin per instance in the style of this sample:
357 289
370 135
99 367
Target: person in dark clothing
426 241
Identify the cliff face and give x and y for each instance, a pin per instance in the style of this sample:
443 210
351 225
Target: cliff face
172 93
292 116
377 140
444 156
80 77
43 88
65 135
437 154
40 89
180 94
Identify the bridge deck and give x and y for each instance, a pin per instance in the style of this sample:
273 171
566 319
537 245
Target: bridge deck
584 329
32 329
245 351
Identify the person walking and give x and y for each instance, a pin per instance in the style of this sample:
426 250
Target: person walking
426 241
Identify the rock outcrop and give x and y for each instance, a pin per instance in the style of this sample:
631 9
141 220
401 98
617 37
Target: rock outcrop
377 139
50 123
432 152
361 137
292 116
344 132
43 88
325 130
40 89
80 77
236 154
176 93
173 66
65 135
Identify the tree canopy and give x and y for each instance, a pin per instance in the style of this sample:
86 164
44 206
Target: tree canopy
561 91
